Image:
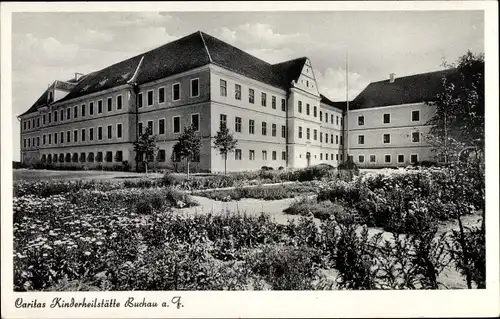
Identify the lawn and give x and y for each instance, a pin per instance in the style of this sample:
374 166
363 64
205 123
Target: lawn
36 175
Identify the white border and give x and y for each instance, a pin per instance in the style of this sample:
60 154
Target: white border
191 87
454 303
180 93
164 127
173 125
199 120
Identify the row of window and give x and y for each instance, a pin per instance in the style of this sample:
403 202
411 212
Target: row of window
78 135
83 157
315 136
251 95
238 155
161 94
176 125
388 158
415 117
75 112
415 138
238 126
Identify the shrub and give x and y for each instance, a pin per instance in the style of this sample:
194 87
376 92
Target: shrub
272 192
321 210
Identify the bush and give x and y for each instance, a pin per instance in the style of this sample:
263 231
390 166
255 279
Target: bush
271 192
321 210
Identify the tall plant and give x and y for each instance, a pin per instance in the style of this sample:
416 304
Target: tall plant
145 148
225 143
188 145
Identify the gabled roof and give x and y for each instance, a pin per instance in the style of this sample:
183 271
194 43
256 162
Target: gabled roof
340 105
404 90
42 101
192 51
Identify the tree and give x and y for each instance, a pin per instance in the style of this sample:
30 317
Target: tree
188 145
224 143
459 119
145 148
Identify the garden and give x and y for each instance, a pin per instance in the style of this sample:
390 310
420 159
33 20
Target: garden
377 231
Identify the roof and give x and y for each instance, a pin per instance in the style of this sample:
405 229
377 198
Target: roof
42 101
416 88
340 105
192 51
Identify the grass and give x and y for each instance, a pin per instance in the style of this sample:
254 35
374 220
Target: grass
274 192
322 210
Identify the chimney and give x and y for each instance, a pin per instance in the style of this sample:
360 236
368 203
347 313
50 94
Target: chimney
78 76
392 77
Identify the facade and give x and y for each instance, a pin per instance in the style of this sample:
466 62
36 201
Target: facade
275 111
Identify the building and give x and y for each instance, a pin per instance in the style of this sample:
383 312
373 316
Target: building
275 111
387 121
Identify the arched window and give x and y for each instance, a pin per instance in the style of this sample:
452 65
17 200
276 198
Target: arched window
75 158
54 158
44 158
61 158
68 158
90 157
82 157
99 157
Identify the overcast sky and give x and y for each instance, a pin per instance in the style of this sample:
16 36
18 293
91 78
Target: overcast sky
50 46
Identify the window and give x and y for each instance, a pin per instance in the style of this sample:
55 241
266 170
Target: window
326 156
361 120
119 130
195 87
44 139
75 112
45 119
55 118
109 156
251 96
61 137
264 155
300 131
68 137
75 136
161 126
161 156
150 127
273 129
251 126
263 99
24 142
119 102
223 88
140 128
283 156
61 157
372 158
315 112
91 109
273 102
336 157
251 155
110 131
237 91
264 128
321 156
361 158
415 137
283 131
320 115
326 137
237 154
401 158
99 133
331 119
415 116
91 133
177 124
387 118
99 105
50 139
387 138
50 117
24 125
195 121
237 124
149 98
283 105
315 135
414 158
336 139
387 158
82 157
361 139
118 156
139 101
274 155
308 109
223 120
38 119
176 92
161 95
308 133
83 110
300 106
83 135
341 140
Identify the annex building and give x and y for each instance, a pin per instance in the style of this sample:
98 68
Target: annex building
275 111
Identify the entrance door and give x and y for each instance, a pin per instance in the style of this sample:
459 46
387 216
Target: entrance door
308 158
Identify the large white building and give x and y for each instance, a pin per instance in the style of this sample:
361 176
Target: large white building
275 111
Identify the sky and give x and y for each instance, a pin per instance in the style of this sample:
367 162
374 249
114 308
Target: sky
53 46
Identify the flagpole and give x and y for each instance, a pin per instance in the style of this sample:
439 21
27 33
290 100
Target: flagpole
347 103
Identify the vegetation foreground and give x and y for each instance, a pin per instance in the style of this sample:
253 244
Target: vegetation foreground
126 235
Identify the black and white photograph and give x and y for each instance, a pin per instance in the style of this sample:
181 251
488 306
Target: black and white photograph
158 150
